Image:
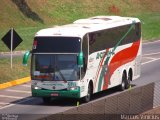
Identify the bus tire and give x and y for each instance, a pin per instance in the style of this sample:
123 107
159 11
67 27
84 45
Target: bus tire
124 82
87 98
46 100
129 79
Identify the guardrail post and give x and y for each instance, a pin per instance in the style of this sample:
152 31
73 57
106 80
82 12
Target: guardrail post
147 96
123 102
135 101
98 110
156 99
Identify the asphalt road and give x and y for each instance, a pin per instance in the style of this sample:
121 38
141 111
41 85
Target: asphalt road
12 101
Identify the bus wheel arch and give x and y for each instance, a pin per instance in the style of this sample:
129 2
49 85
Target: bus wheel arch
129 78
130 74
87 98
91 84
124 81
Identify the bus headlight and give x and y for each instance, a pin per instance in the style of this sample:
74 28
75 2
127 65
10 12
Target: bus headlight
35 87
73 88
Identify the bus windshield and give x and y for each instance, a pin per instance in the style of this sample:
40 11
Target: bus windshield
55 67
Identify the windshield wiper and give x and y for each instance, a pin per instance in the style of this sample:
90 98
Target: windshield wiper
61 74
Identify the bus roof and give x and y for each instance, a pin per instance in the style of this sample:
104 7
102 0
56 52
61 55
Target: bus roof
83 26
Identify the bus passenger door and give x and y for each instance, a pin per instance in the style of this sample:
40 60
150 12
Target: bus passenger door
85 54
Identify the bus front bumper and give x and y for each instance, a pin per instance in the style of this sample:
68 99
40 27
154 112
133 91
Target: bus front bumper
56 94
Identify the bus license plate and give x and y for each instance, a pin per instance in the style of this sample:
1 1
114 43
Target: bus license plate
54 94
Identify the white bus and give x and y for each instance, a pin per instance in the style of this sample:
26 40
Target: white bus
85 57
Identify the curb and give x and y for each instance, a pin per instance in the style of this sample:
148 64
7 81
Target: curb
14 82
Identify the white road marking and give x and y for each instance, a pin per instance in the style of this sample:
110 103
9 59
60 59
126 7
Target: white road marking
3 103
150 58
150 61
151 42
151 54
19 91
10 105
26 86
7 96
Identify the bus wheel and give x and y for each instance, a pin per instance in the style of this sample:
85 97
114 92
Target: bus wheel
129 80
46 100
87 98
124 82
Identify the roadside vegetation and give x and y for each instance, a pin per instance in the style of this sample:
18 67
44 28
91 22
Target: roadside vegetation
29 16
18 71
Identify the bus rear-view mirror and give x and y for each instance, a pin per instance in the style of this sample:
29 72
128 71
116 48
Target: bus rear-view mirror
25 58
80 59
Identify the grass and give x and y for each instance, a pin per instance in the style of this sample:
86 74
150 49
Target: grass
18 71
150 26
66 11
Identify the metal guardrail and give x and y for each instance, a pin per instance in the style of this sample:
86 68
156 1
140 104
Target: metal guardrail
134 102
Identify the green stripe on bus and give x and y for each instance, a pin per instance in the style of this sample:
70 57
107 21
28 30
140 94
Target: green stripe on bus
101 78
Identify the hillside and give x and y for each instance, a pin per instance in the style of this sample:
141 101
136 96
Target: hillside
28 16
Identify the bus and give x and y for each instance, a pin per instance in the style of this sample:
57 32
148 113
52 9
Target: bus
85 57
